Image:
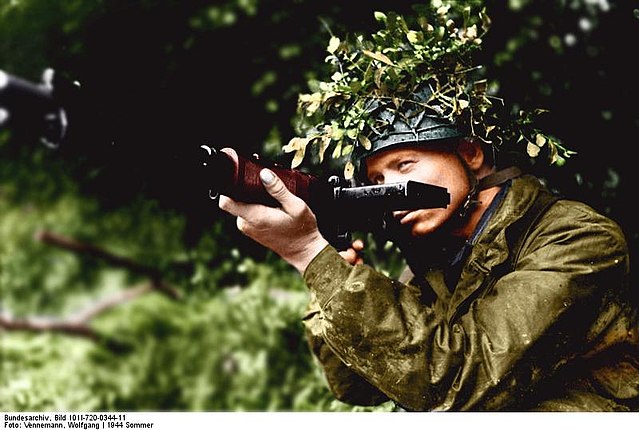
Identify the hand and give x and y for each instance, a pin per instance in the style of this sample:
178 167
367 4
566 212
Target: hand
352 254
289 230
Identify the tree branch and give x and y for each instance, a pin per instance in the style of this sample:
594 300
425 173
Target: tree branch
101 306
79 323
78 247
40 324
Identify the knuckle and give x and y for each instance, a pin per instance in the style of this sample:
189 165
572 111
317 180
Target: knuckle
345 254
278 190
301 209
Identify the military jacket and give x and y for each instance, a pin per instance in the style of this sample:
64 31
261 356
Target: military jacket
557 332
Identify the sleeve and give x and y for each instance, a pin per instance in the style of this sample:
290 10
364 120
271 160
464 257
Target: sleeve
346 385
532 321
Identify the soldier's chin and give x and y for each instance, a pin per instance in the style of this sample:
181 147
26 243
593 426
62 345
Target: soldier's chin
420 230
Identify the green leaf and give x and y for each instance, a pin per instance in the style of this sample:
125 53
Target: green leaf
540 140
324 141
378 56
299 157
414 37
333 44
337 76
295 144
365 142
380 16
337 151
532 149
349 169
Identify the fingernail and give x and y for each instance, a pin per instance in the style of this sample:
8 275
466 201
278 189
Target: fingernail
267 176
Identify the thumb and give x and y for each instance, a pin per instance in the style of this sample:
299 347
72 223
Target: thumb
276 188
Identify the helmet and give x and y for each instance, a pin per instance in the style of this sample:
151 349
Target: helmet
412 82
416 121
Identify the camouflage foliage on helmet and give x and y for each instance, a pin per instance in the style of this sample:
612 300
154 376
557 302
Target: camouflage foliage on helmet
384 76
406 124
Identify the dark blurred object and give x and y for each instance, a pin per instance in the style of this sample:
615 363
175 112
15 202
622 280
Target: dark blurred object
40 108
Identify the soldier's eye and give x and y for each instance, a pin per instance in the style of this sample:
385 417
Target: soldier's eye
404 164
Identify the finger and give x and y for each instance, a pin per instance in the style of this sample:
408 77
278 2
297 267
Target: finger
350 255
231 153
358 245
278 190
234 207
241 224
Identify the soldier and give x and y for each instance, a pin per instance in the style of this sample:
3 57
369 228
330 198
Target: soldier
515 299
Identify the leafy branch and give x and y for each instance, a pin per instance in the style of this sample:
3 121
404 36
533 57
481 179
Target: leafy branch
389 70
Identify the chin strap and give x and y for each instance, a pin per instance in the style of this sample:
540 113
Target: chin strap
496 178
499 177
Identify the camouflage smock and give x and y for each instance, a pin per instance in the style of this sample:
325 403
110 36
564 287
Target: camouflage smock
552 334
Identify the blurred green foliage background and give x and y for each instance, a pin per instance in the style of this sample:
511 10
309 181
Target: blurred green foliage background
214 321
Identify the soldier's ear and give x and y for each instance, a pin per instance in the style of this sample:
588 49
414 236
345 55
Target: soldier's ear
472 152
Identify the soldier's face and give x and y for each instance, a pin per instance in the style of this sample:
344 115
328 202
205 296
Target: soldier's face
431 165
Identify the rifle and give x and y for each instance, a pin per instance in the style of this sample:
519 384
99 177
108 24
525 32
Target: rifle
340 208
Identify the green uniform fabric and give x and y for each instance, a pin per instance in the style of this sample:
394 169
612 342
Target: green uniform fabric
556 333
